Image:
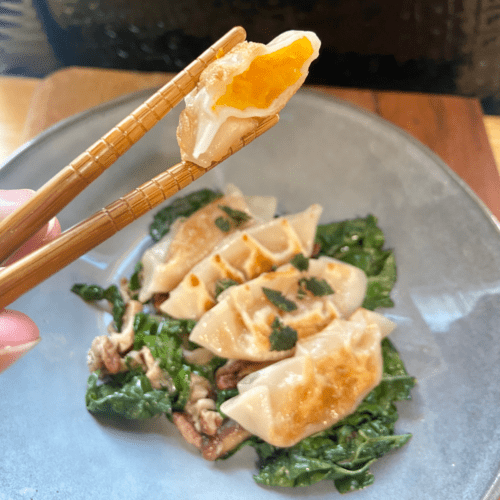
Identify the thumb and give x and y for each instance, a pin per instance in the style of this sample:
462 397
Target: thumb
18 334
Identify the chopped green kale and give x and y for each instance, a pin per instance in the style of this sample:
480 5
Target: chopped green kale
134 282
165 338
127 395
223 395
223 284
359 242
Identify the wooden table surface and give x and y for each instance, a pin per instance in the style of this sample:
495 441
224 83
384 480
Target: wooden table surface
453 127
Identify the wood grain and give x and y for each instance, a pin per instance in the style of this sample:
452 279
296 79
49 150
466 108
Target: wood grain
73 90
492 126
453 128
15 102
365 99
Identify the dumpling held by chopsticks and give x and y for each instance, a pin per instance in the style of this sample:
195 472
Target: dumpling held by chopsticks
250 82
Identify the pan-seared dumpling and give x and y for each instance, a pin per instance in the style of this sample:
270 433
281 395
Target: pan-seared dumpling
366 317
250 82
241 257
167 262
242 324
192 239
324 381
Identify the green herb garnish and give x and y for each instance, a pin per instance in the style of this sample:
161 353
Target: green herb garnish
237 216
300 261
279 300
282 337
314 285
181 207
223 284
223 223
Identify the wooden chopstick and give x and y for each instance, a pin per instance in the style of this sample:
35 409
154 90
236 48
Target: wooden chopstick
31 270
54 195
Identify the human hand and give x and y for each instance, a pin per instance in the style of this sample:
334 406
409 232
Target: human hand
18 333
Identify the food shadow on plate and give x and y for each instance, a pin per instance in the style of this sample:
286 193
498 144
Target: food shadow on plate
160 429
140 431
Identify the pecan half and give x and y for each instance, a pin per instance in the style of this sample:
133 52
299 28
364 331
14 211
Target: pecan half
228 375
187 430
227 438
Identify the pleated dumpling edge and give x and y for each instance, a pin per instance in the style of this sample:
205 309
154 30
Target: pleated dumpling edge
325 381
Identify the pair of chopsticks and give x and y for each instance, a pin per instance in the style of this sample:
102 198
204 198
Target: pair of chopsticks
20 277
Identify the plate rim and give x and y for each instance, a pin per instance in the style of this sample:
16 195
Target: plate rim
48 133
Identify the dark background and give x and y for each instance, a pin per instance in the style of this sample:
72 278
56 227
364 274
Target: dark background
434 46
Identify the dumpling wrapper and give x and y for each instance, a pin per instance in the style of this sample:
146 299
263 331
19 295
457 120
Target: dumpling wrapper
324 382
190 240
262 208
241 257
252 81
239 326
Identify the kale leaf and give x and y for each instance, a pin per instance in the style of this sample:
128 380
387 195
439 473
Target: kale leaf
359 242
224 284
165 337
181 207
92 293
127 395
134 283
131 393
223 395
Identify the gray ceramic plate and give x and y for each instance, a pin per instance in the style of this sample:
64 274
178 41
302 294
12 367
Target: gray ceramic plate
447 310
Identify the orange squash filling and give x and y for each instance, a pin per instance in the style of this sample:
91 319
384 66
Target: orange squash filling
267 77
